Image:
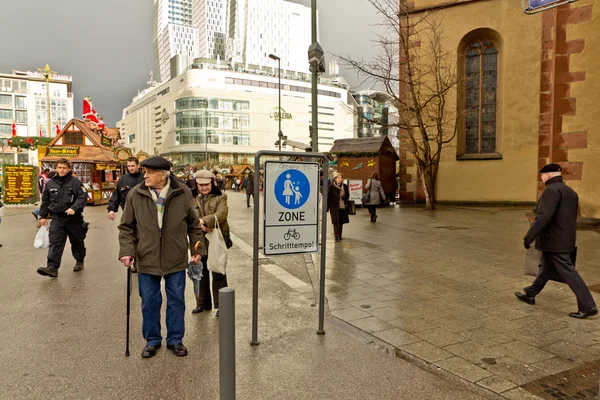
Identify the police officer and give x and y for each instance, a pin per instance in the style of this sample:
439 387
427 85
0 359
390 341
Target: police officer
554 233
64 198
127 182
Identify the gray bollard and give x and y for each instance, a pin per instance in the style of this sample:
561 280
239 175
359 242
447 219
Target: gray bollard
227 343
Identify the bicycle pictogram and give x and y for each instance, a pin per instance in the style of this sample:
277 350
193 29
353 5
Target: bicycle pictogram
291 233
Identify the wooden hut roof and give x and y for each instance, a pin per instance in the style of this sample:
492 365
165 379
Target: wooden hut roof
380 145
96 153
238 170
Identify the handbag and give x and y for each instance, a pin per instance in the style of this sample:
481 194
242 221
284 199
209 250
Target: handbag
42 238
351 207
217 250
533 261
366 197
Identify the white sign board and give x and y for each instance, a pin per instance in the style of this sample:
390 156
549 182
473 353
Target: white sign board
355 187
291 207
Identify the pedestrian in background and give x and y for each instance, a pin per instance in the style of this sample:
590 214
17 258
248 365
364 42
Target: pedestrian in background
337 204
124 185
376 195
64 198
554 232
36 212
249 189
211 205
158 219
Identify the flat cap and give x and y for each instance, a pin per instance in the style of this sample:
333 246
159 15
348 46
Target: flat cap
204 177
157 162
551 168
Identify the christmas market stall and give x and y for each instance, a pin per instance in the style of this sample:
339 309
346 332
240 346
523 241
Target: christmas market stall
357 158
237 172
96 155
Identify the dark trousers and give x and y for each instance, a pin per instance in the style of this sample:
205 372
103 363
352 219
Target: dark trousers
248 199
372 210
561 264
219 281
60 229
149 288
337 230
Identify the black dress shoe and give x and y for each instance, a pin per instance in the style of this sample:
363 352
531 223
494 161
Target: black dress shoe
78 266
150 351
50 271
525 298
582 315
178 349
200 309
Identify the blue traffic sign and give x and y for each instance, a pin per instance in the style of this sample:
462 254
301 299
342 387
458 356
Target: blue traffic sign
292 189
533 4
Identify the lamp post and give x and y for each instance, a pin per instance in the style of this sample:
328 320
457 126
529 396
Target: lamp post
47 73
279 134
317 65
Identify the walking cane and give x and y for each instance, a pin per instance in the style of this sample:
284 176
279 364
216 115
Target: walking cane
128 309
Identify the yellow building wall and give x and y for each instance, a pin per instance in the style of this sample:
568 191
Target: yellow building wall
587 117
514 177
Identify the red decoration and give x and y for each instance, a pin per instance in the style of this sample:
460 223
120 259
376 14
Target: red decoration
41 131
90 114
14 129
57 129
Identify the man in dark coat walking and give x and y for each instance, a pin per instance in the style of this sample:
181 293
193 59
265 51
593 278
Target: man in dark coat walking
554 230
249 188
127 182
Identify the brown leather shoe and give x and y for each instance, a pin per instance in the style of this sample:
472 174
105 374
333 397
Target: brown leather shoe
178 349
150 351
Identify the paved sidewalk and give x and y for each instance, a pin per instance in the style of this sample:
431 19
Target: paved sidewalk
64 338
439 289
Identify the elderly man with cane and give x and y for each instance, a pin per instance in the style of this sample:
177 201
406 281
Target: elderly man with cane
157 221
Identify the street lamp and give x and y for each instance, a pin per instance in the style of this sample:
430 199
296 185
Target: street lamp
279 134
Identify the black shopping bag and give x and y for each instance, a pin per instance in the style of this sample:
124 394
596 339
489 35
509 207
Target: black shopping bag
533 260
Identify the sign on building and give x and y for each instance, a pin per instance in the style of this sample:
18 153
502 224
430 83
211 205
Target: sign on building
291 207
355 187
19 184
536 6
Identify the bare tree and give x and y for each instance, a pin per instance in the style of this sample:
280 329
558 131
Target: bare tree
418 77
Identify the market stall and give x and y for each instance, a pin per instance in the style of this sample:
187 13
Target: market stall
96 157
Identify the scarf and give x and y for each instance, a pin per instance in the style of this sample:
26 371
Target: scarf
160 199
342 193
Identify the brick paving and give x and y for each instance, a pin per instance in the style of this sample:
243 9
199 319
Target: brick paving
440 287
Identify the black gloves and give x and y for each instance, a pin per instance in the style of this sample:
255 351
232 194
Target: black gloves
526 244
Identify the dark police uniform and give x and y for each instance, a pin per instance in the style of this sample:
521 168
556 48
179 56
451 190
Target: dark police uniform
124 185
554 231
60 194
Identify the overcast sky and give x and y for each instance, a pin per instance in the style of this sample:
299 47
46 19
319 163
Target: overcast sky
107 45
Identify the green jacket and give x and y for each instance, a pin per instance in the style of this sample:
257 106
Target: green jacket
214 207
156 251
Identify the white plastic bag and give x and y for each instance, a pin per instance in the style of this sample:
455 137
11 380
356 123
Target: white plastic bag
42 238
217 250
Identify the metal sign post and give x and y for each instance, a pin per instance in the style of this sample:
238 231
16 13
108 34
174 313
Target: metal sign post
291 202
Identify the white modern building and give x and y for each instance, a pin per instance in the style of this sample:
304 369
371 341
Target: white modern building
257 28
213 111
174 34
23 102
210 18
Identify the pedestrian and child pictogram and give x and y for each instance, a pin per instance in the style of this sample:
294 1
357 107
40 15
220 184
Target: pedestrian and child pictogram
292 189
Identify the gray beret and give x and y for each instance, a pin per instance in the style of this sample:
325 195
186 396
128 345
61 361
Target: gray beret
551 168
157 162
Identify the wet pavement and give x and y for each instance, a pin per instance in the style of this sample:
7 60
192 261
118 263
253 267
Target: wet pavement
65 337
438 289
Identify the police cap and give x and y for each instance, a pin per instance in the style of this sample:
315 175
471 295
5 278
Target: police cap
551 168
157 162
